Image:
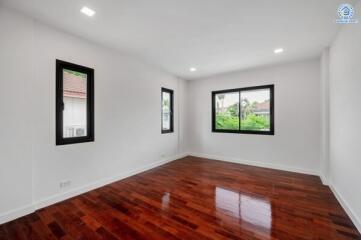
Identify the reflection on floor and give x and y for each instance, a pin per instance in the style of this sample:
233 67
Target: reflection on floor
195 198
251 210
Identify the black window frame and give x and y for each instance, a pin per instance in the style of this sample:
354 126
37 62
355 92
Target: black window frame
60 66
171 93
240 90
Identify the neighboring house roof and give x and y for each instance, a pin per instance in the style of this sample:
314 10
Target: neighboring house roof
263 107
74 86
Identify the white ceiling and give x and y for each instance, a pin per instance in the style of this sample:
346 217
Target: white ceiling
215 36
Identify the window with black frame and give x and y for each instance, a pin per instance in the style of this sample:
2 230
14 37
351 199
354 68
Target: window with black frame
167 110
244 110
74 103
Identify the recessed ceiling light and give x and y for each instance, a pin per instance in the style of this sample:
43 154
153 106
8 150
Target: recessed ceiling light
87 11
193 69
278 50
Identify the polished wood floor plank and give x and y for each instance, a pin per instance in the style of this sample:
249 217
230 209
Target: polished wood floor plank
195 198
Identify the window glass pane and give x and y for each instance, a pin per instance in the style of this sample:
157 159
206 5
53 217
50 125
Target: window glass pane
227 108
166 110
75 104
255 110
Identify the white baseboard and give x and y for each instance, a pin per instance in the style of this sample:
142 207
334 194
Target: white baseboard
256 164
356 221
16 213
77 191
20 212
324 179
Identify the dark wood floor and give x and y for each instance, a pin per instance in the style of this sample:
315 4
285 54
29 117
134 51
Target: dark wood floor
195 198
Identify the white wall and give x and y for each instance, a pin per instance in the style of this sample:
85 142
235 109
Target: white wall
16 75
183 117
127 116
74 116
325 115
345 118
296 143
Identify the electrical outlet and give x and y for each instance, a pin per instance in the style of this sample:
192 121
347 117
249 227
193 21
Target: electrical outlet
65 184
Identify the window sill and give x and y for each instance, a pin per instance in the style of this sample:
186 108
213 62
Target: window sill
244 132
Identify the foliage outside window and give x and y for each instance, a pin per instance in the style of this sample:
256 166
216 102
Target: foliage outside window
244 110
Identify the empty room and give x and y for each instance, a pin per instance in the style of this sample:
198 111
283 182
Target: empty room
180 119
